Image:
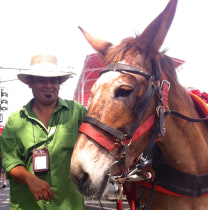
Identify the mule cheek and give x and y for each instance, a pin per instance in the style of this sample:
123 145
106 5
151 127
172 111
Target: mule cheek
131 155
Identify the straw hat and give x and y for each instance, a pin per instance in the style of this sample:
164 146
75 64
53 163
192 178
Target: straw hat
44 66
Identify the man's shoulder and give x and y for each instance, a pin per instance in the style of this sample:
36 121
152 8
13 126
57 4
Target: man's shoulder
16 113
74 108
71 103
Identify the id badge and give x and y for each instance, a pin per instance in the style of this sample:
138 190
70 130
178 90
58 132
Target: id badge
40 158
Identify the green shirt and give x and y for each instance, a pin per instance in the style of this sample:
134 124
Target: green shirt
23 132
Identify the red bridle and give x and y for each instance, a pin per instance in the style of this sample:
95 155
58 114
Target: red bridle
108 144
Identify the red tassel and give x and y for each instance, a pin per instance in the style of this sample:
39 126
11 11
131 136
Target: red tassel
119 204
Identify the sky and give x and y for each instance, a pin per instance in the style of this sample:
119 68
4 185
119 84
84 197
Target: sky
31 27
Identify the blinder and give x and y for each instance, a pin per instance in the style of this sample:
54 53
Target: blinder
143 103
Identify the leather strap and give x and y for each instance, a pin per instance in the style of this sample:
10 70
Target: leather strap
114 132
144 127
90 131
178 114
177 181
120 67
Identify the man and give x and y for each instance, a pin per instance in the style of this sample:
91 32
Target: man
2 174
38 140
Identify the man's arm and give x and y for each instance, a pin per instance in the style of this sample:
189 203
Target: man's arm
38 187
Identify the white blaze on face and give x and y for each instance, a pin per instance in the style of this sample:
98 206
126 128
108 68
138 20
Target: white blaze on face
103 79
92 159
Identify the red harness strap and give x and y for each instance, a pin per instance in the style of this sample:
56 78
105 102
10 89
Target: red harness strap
131 196
88 129
144 127
163 190
94 134
119 204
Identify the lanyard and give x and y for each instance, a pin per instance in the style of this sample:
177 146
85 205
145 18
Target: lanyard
48 132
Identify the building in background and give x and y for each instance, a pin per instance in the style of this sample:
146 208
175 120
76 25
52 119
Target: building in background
3 102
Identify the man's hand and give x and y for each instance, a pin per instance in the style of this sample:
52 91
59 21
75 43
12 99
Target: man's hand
40 189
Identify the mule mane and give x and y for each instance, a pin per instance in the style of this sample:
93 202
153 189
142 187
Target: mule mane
117 53
129 49
167 67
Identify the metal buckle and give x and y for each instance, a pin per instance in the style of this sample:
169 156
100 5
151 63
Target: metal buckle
165 81
116 177
162 86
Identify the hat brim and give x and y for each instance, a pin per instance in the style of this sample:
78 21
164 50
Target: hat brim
26 77
40 70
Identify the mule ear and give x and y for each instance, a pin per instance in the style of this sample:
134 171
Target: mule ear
153 36
99 45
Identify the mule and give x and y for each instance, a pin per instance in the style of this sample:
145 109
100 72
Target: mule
142 124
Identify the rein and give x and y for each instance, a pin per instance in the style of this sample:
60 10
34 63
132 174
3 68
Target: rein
178 114
95 129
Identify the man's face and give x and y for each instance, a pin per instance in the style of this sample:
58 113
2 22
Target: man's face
45 89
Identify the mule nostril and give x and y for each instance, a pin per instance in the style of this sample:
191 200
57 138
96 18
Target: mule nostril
83 178
79 177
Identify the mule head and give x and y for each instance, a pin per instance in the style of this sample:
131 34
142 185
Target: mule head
114 102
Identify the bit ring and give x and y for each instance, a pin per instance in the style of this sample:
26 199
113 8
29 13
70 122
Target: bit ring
50 189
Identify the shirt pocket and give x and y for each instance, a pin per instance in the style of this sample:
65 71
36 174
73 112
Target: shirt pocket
66 136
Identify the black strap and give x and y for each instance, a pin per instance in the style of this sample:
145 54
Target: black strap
155 70
151 196
177 181
142 106
120 67
182 183
178 114
118 134
154 136
164 114
137 205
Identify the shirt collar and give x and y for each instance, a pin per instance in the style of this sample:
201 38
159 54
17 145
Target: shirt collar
27 109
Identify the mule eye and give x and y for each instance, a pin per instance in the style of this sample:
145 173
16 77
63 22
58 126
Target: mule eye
123 91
